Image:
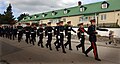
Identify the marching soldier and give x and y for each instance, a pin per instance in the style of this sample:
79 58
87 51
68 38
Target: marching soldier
92 38
81 36
6 31
20 32
40 34
68 30
61 37
27 33
1 31
56 32
48 34
33 35
10 32
15 32
3 34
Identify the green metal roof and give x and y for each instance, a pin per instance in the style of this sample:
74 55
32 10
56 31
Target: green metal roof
90 9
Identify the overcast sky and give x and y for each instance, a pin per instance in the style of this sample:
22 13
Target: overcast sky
38 6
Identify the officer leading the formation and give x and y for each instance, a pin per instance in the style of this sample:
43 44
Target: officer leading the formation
68 30
81 37
40 34
92 38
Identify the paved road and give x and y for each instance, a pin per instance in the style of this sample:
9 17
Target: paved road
22 53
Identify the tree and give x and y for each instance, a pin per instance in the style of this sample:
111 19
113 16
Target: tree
22 16
8 15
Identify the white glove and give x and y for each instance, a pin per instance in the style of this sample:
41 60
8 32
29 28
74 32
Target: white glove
46 37
58 37
66 36
80 38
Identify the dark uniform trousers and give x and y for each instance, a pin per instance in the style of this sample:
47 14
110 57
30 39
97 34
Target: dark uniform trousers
19 35
27 36
40 40
92 38
33 35
69 41
61 43
81 36
56 32
82 43
49 40
61 37
93 46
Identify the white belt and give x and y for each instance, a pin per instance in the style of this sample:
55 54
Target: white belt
27 31
58 37
40 32
49 32
69 31
61 32
32 32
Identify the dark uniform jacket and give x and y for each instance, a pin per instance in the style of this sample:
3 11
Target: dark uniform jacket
92 33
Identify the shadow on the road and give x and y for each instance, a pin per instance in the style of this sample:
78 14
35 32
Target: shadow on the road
7 49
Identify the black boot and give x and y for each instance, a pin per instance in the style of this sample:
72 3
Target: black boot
97 59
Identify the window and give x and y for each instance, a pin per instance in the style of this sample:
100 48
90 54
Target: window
43 15
81 19
36 16
53 13
54 20
86 18
65 11
23 18
82 9
64 19
105 5
103 17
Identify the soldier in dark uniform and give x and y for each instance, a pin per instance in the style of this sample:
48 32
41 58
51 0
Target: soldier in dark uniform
10 32
20 32
33 35
48 34
68 30
1 31
61 37
81 36
15 32
27 33
56 33
92 38
40 34
6 31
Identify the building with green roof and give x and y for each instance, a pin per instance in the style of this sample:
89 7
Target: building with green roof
106 13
